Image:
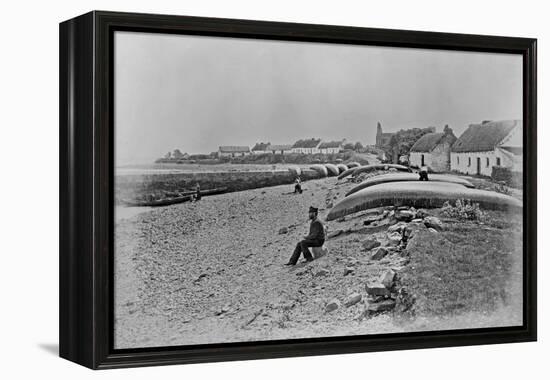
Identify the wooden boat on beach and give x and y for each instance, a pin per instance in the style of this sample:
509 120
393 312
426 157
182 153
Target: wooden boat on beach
185 197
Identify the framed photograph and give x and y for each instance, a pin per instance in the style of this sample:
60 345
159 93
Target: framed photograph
234 189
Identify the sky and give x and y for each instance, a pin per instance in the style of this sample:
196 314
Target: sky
195 93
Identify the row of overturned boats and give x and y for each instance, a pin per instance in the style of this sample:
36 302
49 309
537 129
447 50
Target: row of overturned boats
398 185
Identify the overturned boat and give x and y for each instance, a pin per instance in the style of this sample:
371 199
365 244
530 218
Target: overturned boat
332 170
321 169
353 164
295 170
407 177
369 168
184 197
342 168
420 195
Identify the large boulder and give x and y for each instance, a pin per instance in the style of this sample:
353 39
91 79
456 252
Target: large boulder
394 238
387 278
377 307
377 289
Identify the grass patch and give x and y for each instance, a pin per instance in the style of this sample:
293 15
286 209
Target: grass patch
469 266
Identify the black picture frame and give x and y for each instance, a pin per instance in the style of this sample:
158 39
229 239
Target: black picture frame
86 189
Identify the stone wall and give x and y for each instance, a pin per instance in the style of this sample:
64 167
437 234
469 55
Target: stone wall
133 186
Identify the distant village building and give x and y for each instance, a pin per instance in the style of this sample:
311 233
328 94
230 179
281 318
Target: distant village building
260 148
433 150
280 149
331 147
382 139
307 146
233 151
491 143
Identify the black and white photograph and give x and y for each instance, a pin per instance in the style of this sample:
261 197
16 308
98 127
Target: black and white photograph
275 190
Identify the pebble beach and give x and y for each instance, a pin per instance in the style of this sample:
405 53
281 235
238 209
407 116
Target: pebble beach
212 272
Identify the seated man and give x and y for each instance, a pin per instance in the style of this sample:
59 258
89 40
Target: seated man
316 238
298 186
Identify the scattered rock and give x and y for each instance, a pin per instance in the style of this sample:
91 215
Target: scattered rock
372 299
348 270
322 272
387 278
379 254
370 244
404 215
342 219
394 238
283 230
377 307
330 205
352 299
377 289
332 305
432 230
433 222
397 227
405 300
335 233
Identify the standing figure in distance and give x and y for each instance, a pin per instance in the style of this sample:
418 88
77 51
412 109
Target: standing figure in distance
423 173
198 192
316 238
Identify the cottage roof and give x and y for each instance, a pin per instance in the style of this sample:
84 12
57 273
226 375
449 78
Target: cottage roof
260 146
484 137
280 147
234 149
307 143
515 150
429 141
330 144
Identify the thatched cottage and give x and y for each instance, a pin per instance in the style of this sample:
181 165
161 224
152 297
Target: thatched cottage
260 148
433 150
233 151
280 149
491 143
330 147
306 146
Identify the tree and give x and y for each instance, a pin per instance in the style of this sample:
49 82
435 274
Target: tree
358 146
349 146
177 154
168 155
401 142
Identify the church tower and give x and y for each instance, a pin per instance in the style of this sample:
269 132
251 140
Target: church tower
379 135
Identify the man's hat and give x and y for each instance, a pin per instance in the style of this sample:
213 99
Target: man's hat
313 209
